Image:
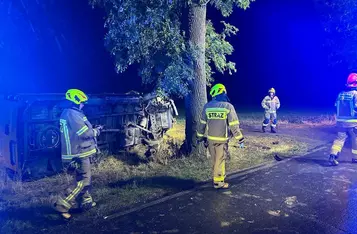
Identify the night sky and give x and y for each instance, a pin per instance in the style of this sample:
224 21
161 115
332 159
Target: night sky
279 45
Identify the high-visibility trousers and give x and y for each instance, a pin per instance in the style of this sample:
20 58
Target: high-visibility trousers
218 156
340 140
270 116
80 191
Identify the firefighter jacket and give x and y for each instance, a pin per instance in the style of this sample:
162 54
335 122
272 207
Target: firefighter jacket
346 105
220 120
78 137
271 105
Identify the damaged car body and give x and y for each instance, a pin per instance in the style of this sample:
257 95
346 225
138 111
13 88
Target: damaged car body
30 134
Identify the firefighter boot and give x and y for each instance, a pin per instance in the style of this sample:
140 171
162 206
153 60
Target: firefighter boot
221 185
273 129
263 128
333 160
62 207
88 205
273 124
266 122
87 202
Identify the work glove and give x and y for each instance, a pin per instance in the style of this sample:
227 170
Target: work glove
70 165
97 130
99 127
73 165
199 140
202 139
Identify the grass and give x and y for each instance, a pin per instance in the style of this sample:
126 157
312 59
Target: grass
129 179
296 119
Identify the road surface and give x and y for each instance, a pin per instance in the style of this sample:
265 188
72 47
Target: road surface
300 195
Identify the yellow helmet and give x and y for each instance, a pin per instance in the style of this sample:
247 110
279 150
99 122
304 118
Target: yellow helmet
272 90
217 89
77 96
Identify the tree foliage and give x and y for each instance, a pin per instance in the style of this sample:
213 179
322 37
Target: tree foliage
340 24
217 48
152 33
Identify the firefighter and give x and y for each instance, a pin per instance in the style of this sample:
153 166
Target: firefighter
220 119
270 104
78 144
346 106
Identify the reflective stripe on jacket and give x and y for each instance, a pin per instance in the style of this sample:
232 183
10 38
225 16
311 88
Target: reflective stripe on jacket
77 135
271 105
220 121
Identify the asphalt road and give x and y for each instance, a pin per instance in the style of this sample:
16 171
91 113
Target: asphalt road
300 195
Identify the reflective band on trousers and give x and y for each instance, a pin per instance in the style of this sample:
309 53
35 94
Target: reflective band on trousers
75 191
87 200
347 120
239 137
222 177
354 151
219 179
64 203
233 123
337 147
82 155
217 138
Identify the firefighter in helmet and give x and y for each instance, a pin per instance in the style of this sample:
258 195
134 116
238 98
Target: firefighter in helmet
270 104
78 144
220 120
346 106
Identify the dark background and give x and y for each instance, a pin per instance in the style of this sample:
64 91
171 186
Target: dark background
59 45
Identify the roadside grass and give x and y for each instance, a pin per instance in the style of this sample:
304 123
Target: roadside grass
293 119
128 179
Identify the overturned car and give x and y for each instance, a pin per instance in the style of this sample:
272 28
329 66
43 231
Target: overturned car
30 135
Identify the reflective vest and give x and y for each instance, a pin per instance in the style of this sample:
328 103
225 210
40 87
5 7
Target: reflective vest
220 121
77 135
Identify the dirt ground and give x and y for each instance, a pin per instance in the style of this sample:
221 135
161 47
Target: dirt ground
124 181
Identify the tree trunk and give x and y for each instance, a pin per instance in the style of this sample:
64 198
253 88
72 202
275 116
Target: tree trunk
197 98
